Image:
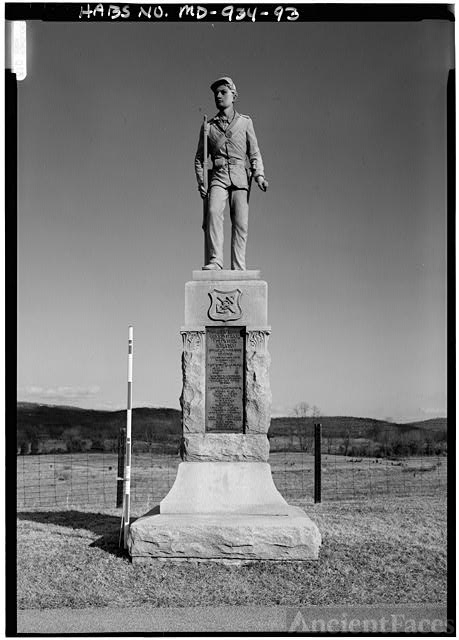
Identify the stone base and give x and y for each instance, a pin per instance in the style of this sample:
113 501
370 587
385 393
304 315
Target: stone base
251 447
224 512
224 537
224 487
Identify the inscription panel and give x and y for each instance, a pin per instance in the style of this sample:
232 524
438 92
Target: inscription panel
225 348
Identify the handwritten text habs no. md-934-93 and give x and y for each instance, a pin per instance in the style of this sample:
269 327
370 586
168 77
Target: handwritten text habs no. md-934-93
228 12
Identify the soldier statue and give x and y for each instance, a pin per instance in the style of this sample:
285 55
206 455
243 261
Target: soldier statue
230 140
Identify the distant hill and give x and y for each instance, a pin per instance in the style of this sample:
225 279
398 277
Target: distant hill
33 414
45 428
64 424
335 425
433 424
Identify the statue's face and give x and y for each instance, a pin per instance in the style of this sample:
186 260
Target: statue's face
224 97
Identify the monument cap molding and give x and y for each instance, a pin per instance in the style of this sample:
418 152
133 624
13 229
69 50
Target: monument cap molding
201 328
226 274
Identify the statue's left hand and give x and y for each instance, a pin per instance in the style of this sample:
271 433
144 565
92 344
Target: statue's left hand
262 183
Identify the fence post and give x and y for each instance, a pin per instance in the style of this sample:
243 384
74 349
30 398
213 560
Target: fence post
317 463
120 478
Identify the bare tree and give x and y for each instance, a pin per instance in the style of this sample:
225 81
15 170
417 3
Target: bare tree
346 442
301 409
305 438
329 443
303 431
316 413
149 437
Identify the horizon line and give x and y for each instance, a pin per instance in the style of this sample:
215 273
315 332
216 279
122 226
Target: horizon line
114 410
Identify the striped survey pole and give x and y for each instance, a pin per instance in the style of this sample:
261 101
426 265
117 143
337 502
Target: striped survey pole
120 477
127 460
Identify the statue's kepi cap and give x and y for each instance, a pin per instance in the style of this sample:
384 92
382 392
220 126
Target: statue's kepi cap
224 80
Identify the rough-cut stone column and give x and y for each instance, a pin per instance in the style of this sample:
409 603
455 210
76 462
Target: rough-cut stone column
193 398
257 388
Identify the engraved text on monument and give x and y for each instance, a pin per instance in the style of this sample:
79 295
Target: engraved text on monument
225 379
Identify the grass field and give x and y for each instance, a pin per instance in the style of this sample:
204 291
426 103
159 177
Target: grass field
374 551
90 478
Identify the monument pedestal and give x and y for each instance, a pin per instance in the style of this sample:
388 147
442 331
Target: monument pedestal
224 505
224 537
224 488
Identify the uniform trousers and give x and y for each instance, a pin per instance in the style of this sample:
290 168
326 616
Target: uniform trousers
239 211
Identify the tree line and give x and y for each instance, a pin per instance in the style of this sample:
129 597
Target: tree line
45 429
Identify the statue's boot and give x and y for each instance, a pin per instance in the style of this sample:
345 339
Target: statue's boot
211 265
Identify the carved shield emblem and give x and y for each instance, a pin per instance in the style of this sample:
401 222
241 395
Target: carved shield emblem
225 305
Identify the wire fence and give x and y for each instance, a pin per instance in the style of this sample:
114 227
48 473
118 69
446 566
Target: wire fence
358 463
90 478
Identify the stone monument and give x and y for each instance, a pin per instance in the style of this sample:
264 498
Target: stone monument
224 505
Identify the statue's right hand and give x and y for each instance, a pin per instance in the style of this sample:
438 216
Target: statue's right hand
203 191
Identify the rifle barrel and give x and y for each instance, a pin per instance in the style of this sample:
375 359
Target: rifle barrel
206 186
205 163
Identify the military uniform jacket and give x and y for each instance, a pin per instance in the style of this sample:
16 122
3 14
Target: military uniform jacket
229 149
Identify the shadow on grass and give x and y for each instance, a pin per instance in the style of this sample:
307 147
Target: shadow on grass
103 525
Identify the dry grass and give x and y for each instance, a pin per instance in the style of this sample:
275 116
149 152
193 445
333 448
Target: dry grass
379 551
